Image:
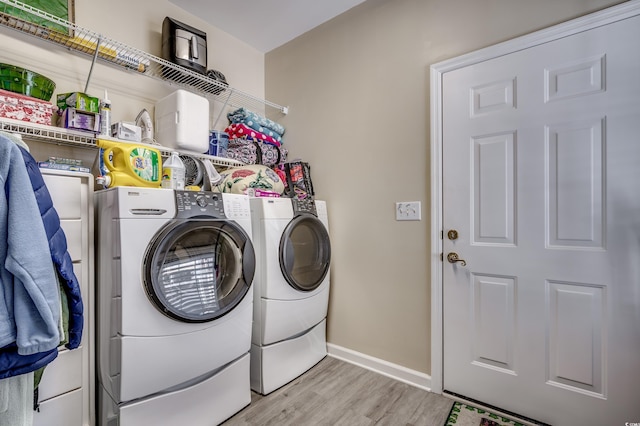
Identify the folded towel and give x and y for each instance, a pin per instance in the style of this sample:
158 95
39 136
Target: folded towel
256 122
239 130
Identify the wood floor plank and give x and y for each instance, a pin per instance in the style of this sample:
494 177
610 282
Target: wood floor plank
335 393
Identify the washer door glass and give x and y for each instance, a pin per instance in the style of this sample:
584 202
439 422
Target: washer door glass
197 270
305 252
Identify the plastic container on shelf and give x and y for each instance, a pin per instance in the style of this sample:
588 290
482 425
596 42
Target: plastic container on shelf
173 172
130 164
218 143
105 115
182 122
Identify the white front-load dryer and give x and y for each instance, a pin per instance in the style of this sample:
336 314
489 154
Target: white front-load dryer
175 270
291 289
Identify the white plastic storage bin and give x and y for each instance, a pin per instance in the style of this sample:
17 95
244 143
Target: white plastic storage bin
182 122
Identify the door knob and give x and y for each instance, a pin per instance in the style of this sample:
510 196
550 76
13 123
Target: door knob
453 258
452 234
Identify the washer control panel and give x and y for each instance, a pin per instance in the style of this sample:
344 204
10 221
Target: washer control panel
201 203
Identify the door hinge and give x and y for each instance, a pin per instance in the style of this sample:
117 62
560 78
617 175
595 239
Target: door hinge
441 257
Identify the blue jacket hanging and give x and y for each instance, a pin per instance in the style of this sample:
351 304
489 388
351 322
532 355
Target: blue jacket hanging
30 292
11 362
58 246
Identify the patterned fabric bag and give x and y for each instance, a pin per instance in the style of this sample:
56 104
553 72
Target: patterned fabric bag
256 152
271 155
242 150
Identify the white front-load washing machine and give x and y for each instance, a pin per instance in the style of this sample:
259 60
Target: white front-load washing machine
291 289
174 317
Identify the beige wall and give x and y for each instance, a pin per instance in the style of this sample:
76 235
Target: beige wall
358 88
137 24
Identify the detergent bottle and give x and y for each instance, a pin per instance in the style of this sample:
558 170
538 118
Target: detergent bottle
130 164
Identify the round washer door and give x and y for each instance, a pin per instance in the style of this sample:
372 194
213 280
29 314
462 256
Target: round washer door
199 269
305 252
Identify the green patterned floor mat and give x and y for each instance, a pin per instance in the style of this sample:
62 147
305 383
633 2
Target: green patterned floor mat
467 415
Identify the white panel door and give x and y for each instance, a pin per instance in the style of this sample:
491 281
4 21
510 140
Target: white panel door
541 179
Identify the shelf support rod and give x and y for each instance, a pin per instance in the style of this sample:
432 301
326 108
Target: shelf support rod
95 56
224 106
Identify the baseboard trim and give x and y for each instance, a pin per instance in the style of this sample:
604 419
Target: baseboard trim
386 368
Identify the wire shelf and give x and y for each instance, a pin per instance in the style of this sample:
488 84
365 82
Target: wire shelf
77 39
47 133
61 136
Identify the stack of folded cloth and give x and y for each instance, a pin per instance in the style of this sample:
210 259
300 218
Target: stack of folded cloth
241 130
254 139
263 127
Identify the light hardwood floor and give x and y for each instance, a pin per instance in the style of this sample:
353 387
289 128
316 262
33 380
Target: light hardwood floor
335 392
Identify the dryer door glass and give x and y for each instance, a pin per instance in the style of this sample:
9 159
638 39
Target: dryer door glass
305 252
197 270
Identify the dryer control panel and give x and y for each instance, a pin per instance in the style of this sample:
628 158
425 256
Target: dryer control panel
202 203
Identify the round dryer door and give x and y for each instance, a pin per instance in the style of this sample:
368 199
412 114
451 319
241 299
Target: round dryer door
305 252
197 270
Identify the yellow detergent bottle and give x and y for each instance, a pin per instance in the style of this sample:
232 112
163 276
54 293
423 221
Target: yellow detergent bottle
130 164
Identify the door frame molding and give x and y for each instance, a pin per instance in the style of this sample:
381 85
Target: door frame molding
438 70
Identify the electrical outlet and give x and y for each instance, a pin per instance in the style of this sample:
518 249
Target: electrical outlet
408 210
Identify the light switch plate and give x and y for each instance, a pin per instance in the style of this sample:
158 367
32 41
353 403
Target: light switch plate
408 210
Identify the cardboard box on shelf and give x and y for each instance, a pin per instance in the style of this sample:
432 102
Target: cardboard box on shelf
25 108
68 167
72 118
126 131
79 101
